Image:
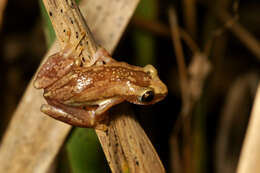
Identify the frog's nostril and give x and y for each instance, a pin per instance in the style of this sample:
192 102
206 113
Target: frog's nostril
147 96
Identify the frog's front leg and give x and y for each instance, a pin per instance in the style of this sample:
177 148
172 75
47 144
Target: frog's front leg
78 116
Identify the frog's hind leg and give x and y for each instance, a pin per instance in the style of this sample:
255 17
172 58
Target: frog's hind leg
63 116
52 70
71 115
84 120
78 116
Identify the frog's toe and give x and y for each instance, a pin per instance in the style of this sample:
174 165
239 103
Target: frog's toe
102 127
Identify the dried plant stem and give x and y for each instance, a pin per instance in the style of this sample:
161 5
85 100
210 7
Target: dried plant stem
156 27
161 29
183 118
250 156
32 139
190 16
240 32
2 9
233 114
70 27
179 52
199 69
189 41
126 146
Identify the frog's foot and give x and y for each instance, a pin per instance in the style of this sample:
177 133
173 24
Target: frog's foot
102 57
102 127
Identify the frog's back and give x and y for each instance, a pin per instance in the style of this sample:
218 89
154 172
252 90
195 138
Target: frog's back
115 73
98 80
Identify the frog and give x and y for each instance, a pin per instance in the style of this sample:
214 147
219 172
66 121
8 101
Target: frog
81 95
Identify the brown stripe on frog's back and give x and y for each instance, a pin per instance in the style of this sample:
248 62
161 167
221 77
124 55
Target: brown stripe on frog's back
114 73
136 77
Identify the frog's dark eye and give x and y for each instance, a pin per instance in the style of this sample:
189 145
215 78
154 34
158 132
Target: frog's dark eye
147 96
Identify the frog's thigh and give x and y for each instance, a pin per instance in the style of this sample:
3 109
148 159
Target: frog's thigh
66 117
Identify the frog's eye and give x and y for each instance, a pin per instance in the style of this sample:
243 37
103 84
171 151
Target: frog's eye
147 96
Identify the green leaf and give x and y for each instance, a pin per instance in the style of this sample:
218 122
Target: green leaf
145 43
85 153
48 29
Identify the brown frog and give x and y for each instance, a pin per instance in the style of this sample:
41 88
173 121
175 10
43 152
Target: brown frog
80 95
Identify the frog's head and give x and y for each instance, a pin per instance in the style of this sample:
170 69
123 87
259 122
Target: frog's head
154 92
